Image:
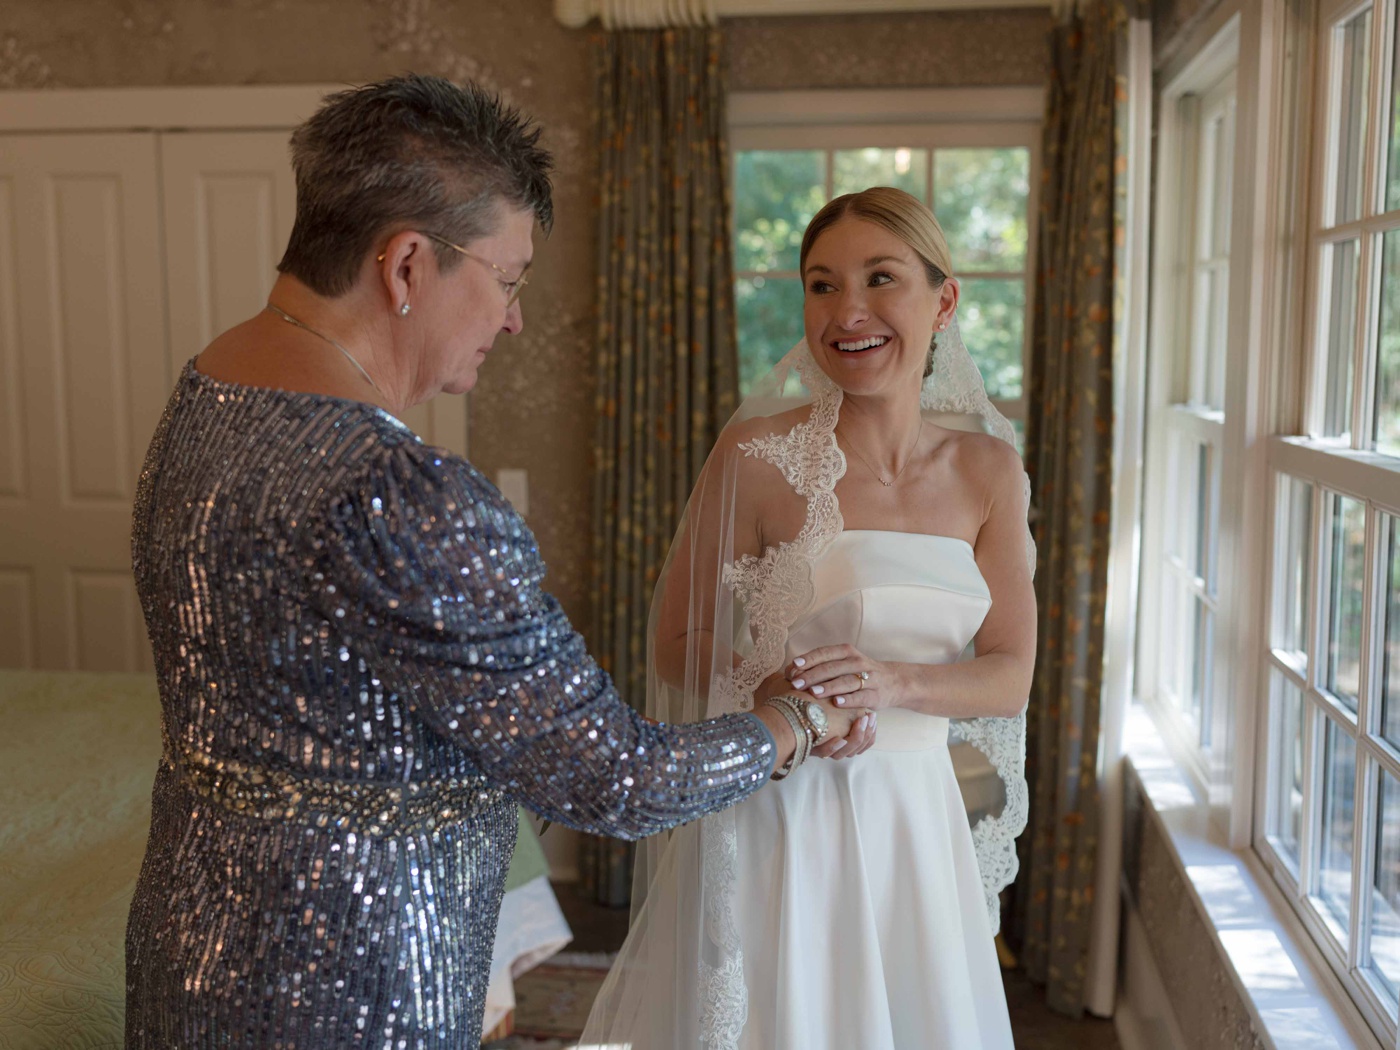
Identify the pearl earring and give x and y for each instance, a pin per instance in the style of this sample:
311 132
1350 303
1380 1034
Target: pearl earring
403 310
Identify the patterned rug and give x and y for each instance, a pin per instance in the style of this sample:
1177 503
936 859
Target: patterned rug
552 1002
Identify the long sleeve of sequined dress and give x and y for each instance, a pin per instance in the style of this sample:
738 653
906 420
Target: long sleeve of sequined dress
360 673
439 575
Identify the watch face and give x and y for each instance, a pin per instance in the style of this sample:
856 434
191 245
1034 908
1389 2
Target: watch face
817 716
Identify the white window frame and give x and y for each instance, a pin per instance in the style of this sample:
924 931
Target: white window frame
916 118
1171 418
1348 468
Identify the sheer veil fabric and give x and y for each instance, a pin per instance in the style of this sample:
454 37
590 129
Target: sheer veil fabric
728 596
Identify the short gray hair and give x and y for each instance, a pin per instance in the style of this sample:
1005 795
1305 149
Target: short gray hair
411 152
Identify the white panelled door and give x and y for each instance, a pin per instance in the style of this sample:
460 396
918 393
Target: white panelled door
121 256
85 377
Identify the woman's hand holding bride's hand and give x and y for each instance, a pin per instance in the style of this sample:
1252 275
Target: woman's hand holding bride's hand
846 676
859 731
850 732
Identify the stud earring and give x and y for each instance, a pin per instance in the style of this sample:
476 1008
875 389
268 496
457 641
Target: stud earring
403 310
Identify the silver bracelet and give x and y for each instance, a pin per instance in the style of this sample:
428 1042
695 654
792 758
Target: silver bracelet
799 732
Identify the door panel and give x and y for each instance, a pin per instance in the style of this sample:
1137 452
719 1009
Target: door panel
229 204
83 354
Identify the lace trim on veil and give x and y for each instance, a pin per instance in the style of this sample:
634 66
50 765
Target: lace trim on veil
774 589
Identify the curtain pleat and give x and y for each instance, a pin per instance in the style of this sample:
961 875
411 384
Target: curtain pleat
1069 455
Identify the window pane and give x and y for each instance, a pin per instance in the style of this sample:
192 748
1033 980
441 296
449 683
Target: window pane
858 169
1338 811
1222 136
1388 349
1287 767
1293 567
1183 509
1220 322
776 193
1345 563
1351 58
992 317
979 196
1207 500
1203 630
1385 888
1392 193
1210 311
1339 268
1390 655
770 323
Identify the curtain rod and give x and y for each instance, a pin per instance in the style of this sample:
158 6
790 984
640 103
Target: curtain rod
654 14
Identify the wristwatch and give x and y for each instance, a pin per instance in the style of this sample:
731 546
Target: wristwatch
814 716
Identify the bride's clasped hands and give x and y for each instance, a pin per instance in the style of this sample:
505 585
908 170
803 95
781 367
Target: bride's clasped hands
832 676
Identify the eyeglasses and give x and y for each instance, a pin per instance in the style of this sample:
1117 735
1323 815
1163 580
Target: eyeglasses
512 286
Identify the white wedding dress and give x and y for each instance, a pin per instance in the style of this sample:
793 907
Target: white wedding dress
858 902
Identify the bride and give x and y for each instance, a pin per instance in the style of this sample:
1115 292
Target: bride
845 541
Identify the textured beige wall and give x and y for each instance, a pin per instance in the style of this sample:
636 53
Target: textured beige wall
534 406
936 49
1173 22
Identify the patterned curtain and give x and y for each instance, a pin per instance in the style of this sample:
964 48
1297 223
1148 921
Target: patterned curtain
1069 455
667 350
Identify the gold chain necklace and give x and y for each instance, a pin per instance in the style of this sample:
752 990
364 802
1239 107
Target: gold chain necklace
322 335
909 459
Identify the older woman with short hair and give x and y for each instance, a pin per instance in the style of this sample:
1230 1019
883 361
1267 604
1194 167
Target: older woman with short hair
360 672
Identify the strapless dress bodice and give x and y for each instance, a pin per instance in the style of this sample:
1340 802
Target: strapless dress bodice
901 597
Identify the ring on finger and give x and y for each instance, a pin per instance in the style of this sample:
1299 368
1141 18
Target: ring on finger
864 677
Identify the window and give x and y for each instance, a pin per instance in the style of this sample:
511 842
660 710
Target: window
978 177
1180 662
1331 779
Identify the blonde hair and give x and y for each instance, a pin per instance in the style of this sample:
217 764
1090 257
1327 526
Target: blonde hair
905 216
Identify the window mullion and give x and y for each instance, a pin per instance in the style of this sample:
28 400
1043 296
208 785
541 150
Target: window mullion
1312 803
1363 376
1362 810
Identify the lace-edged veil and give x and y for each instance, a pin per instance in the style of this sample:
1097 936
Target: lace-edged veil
737 577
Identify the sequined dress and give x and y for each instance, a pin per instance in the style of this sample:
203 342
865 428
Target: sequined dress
360 674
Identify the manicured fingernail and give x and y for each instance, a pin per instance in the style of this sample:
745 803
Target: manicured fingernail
865 723
817 690
840 701
798 684
799 662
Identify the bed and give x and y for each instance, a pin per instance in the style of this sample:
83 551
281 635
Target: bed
76 764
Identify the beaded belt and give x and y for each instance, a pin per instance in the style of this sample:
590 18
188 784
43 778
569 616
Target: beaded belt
376 809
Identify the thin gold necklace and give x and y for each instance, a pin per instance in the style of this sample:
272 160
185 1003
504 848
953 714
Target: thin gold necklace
909 459
322 335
